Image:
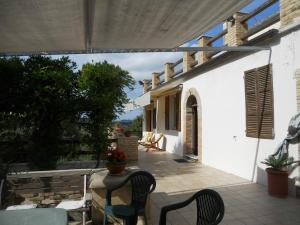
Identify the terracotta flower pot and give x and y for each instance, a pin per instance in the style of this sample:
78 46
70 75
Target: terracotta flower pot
115 168
127 133
277 182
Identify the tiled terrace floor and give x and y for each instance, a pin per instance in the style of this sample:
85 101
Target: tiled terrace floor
245 203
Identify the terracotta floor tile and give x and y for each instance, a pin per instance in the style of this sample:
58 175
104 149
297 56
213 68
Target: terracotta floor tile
246 203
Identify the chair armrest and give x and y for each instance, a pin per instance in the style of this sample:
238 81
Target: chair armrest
166 209
113 188
1 188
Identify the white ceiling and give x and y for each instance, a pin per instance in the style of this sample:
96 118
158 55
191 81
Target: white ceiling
74 26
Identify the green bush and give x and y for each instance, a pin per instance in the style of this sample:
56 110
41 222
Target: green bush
45 100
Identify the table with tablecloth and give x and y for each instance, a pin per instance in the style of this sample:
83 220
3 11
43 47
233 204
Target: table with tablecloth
42 216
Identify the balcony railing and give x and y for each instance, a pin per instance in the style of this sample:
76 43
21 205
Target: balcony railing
254 29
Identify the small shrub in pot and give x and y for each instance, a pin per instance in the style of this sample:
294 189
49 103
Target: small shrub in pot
279 168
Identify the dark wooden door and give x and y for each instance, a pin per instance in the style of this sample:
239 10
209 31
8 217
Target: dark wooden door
195 131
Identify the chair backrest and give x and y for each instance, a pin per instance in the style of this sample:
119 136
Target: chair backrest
144 138
210 207
1 187
150 137
160 136
142 183
84 188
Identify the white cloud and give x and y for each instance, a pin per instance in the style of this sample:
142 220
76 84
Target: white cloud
139 65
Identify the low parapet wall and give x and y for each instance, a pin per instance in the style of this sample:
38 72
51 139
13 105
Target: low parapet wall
88 164
45 188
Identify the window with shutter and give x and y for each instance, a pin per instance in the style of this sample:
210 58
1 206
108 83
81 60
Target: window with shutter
167 112
177 109
148 120
154 118
259 102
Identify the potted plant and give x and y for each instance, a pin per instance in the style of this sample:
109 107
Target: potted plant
119 129
116 160
279 168
127 133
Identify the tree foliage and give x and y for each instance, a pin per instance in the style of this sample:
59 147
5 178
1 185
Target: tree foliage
41 98
102 88
136 126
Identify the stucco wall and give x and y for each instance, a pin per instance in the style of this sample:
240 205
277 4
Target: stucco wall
172 141
225 145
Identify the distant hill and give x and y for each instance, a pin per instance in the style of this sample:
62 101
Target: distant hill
124 123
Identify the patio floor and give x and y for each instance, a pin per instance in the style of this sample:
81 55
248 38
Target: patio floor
246 203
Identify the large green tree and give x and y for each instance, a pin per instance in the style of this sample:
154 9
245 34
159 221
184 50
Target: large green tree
102 90
12 117
38 95
51 92
41 98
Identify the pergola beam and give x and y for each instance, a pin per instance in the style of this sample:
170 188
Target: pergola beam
145 50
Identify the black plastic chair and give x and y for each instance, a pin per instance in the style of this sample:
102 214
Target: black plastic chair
142 184
210 208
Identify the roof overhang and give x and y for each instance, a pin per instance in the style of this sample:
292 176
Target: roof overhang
89 26
172 88
145 99
139 102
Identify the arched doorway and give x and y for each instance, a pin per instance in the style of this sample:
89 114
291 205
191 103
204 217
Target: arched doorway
193 126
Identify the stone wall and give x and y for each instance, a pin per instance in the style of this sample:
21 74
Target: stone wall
203 56
188 60
235 30
289 11
87 164
130 146
46 189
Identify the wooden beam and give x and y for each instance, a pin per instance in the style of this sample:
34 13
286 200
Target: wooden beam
177 62
211 54
194 63
258 10
213 39
266 23
161 73
177 73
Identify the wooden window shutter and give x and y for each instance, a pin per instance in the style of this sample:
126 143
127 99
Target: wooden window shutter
178 115
154 118
259 102
148 120
167 112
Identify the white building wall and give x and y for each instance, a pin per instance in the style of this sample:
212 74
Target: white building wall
172 138
225 145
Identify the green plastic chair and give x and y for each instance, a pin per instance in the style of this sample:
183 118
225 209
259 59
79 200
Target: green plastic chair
142 184
210 208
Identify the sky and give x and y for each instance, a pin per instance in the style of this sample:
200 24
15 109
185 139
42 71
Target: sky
142 65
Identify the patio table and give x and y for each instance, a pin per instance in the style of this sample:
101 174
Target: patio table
101 181
45 216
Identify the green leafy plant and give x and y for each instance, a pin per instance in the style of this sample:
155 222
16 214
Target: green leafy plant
48 108
102 90
281 162
136 126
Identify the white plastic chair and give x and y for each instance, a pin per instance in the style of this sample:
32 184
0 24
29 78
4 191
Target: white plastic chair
71 205
15 207
1 187
18 207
